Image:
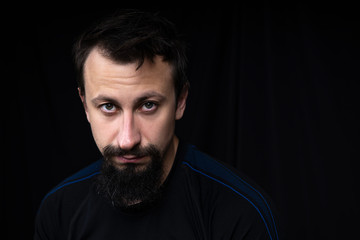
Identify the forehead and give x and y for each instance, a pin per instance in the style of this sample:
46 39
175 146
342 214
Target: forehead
100 71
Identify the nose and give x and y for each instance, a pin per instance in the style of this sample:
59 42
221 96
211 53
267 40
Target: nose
129 135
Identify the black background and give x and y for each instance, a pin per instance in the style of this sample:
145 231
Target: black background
274 92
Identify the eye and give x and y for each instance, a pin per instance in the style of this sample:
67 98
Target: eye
148 106
108 108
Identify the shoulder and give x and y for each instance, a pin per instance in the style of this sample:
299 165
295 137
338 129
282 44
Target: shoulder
242 190
62 201
79 177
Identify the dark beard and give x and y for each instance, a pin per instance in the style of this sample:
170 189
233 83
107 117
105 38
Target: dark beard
131 188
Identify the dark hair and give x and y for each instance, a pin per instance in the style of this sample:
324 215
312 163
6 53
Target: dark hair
132 36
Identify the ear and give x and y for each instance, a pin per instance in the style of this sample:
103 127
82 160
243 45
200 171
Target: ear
181 103
82 97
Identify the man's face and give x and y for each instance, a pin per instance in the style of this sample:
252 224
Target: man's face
131 108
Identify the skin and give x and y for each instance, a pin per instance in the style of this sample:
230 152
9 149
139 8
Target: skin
126 107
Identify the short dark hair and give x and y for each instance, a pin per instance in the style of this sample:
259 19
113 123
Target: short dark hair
132 36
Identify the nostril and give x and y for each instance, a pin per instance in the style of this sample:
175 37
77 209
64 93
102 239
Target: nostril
129 140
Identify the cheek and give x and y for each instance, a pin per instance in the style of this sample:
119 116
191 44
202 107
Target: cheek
159 131
103 131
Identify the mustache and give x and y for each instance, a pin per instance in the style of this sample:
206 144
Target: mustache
138 151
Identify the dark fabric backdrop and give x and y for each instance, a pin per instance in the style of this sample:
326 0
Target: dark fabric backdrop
274 92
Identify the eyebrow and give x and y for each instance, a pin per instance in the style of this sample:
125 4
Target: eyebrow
104 98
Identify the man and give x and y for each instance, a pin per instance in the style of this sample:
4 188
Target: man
149 185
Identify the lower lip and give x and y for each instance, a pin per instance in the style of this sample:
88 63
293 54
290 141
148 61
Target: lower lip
123 160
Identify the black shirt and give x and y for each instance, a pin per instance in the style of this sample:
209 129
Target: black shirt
202 199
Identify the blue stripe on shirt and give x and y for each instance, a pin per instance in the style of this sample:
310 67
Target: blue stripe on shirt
207 166
86 173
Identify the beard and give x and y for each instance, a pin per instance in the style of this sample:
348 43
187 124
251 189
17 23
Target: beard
133 187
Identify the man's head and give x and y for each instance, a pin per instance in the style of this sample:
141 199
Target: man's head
133 86
131 37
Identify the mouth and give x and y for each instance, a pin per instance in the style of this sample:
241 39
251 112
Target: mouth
130 159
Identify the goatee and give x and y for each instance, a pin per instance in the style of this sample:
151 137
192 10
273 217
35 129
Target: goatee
132 187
